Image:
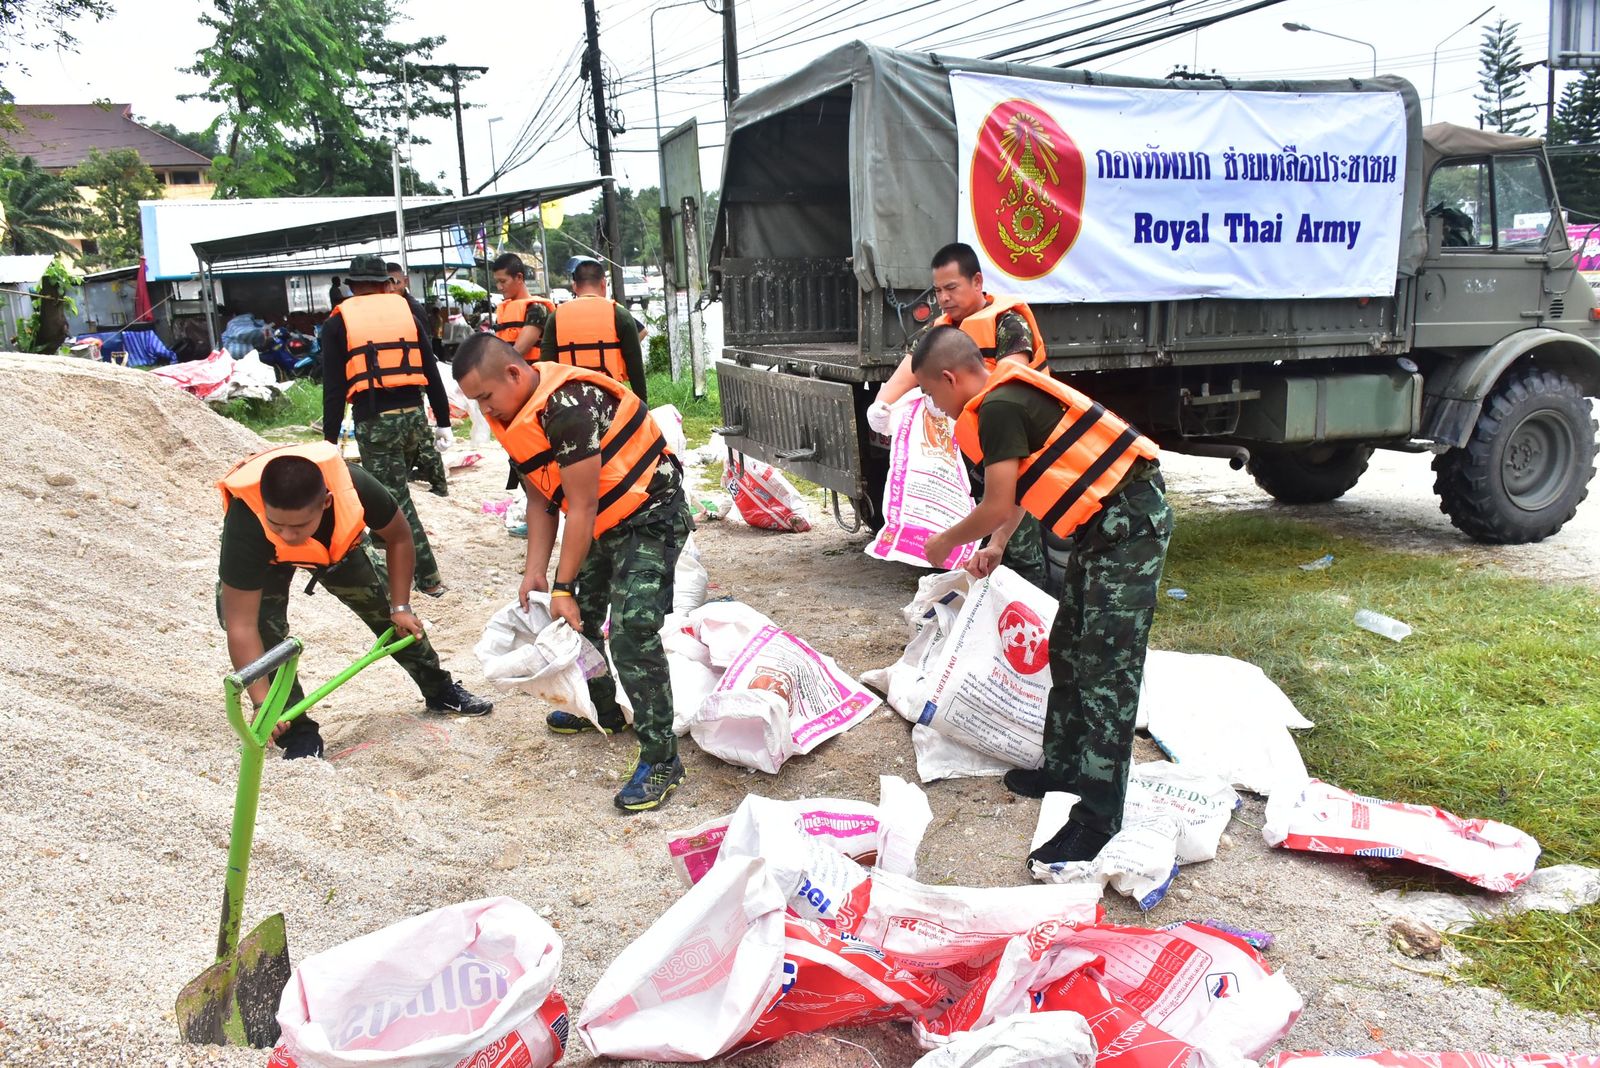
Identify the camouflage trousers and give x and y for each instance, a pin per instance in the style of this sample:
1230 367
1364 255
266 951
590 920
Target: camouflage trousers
392 444
628 573
1097 649
361 582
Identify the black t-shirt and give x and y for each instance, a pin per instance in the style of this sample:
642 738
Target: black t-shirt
247 553
1015 420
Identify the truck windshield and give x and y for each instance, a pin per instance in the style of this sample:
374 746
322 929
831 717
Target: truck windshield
1501 204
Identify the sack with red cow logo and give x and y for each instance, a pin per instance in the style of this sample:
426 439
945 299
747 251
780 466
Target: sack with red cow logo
471 986
982 678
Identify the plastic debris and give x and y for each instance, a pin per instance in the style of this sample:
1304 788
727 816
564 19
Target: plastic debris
1558 888
1321 563
1177 594
1262 940
1382 625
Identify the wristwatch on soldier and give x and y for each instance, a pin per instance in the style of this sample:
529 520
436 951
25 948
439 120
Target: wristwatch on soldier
562 587
396 609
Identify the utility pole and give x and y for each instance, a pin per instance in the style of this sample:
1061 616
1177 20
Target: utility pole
455 94
730 53
602 130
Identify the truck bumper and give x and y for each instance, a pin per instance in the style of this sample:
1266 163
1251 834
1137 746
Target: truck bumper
804 425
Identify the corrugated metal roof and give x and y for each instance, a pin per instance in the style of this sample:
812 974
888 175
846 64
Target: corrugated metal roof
61 135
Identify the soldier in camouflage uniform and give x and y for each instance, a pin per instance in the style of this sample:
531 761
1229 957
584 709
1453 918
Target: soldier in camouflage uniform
390 425
626 569
958 287
1108 596
254 581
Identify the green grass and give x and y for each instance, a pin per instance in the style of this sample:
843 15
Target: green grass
287 416
699 416
1488 709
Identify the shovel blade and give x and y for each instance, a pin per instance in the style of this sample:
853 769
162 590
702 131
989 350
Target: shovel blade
235 1001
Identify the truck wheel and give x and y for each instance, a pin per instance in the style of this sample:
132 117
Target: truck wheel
1312 475
1527 465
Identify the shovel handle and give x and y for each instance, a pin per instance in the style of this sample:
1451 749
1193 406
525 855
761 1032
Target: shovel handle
266 663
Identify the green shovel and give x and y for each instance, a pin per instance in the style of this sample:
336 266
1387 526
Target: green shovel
235 1001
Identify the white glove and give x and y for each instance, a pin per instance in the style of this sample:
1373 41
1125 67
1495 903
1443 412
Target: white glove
878 418
443 438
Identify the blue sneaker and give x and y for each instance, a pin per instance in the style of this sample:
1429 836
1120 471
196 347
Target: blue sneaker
649 785
567 723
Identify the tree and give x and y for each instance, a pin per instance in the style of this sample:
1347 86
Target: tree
38 24
120 180
203 142
41 210
314 93
1577 122
1500 74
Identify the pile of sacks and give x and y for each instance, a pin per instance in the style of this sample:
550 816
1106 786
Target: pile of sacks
746 690
974 679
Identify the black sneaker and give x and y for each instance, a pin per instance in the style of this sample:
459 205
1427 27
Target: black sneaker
1029 782
1073 842
454 700
567 723
298 745
649 785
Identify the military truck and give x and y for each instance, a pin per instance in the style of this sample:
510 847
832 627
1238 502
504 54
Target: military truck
841 180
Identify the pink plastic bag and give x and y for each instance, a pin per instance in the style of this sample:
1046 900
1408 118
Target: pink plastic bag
470 985
1321 818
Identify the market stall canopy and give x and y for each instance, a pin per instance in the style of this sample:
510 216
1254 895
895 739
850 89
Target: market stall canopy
430 223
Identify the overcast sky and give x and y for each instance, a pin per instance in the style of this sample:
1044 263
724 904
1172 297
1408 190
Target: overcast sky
135 56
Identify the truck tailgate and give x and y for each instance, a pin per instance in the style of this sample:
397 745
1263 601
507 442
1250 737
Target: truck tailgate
805 425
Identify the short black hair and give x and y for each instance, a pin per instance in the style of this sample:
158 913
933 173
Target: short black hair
292 483
471 353
335 279
511 263
960 254
393 267
589 273
363 288
945 348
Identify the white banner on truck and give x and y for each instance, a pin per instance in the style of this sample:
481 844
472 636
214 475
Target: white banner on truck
1100 193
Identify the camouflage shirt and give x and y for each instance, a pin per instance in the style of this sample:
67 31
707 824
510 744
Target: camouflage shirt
576 417
1011 334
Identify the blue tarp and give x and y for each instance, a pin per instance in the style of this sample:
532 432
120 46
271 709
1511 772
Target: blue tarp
140 343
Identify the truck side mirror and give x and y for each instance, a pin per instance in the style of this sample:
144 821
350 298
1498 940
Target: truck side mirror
1435 235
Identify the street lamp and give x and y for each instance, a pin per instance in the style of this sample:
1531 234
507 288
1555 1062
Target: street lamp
494 168
1300 27
1433 86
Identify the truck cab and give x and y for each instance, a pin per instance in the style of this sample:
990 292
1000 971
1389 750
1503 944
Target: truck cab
841 181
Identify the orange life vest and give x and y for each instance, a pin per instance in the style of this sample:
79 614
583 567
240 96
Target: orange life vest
1081 462
980 327
629 452
586 336
512 316
243 483
381 339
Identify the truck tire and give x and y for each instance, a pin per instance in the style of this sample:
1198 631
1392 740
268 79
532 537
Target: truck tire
1527 465
1312 475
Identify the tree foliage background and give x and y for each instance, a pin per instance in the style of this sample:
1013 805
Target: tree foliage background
1501 79
313 94
119 180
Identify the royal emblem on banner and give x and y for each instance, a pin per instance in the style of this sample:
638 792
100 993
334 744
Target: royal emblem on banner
1027 189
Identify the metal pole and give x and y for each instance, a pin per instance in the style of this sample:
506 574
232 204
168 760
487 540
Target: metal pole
1293 27
461 137
207 303
730 54
544 252
494 168
399 209
1433 86
697 340
669 278
602 130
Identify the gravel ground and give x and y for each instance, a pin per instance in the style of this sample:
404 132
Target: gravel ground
116 782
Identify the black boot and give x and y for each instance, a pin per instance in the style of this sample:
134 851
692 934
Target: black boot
1029 782
1073 842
